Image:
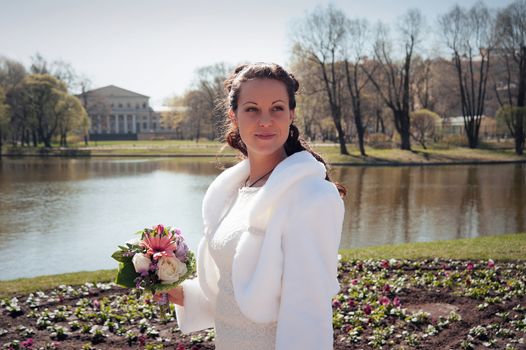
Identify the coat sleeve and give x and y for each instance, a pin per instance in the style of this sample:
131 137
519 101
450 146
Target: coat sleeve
198 311
310 249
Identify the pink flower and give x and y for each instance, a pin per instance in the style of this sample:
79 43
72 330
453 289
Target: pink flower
159 245
354 281
351 303
180 347
396 301
491 263
367 309
96 304
387 288
384 263
142 340
28 343
470 266
384 301
336 303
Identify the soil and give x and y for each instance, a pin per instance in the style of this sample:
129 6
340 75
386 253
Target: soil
436 302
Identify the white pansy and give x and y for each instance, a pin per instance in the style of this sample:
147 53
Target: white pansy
170 269
141 262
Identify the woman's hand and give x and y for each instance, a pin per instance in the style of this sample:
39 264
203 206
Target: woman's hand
175 295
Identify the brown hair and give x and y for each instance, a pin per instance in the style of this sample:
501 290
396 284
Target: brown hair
295 142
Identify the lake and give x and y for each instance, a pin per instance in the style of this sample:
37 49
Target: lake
65 214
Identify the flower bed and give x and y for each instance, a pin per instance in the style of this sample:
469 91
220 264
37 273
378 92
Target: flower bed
400 304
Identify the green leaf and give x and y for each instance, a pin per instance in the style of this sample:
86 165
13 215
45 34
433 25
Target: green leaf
120 257
126 275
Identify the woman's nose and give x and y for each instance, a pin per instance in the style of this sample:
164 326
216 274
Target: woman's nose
265 119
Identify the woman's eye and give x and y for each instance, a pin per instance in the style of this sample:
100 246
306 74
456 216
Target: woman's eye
278 108
251 109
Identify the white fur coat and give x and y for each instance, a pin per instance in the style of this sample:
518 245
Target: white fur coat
285 265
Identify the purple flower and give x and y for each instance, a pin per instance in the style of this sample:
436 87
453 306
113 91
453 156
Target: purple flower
367 309
387 288
336 303
470 266
396 301
181 252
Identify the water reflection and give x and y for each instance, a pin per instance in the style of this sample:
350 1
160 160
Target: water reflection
65 215
407 204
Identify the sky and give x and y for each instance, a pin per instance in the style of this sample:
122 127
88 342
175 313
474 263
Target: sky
154 47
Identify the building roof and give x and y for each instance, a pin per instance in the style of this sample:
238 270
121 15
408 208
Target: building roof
114 91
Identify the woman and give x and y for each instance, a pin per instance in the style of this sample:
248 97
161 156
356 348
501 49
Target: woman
267 264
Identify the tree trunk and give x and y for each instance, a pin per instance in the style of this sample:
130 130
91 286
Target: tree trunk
520 136
361 133
35 140
1 142
341 137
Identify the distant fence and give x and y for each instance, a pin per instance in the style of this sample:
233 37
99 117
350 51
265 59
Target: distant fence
139 136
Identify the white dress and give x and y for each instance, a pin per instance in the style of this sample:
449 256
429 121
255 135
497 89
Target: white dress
233 330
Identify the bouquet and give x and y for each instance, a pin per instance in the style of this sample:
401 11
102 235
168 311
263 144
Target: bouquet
158 261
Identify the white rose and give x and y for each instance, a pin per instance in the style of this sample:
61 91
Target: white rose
141 262
170 269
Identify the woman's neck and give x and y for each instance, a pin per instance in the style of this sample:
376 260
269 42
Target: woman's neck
263 164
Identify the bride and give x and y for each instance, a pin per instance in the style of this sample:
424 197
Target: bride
267 264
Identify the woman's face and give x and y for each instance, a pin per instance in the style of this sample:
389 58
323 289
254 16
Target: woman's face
263 116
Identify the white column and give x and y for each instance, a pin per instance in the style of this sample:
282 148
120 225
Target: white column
116 123
125 123
134 126
108 125
99 122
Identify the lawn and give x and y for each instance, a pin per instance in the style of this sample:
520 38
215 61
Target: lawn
439 154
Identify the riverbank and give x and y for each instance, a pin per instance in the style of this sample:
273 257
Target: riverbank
506 247
385 301
436 155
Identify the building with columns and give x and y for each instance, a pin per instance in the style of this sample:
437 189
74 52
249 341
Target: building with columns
119 114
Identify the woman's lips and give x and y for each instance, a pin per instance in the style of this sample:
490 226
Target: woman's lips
265 136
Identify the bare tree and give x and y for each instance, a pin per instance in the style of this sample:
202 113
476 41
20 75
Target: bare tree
210 82
393 81
469 35
320 37
511 34
4 118
357 36
423 81
312 105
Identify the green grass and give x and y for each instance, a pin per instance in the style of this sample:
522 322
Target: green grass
28 285
331 152
499 248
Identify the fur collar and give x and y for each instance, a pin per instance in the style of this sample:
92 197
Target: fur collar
223 189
